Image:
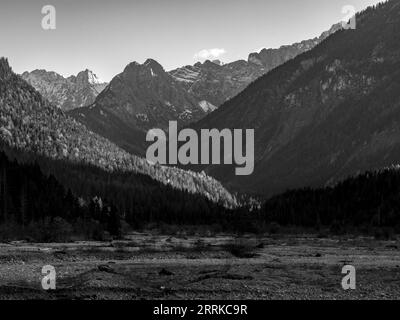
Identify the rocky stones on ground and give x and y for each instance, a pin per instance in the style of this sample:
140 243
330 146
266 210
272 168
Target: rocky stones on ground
106 268
165 272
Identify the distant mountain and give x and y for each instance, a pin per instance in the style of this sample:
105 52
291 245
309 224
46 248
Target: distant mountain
142 97
272 58
66 93
216 83
207 86
213 83
329 113
30 123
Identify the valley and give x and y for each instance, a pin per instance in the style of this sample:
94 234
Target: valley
150 265
273 177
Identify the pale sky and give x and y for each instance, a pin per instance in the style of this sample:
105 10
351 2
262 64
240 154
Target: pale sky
104 36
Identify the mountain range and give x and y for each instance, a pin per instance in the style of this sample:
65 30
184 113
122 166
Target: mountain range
145 96
210 83
216 83
331 112
66 93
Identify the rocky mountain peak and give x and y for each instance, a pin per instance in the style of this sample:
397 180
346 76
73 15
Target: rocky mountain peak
212 64
132 67
66 93
154 65
218 62
87 77
49 76
135 72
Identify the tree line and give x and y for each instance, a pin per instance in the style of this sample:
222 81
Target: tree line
51 200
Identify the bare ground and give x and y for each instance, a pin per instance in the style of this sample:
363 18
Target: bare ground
148 266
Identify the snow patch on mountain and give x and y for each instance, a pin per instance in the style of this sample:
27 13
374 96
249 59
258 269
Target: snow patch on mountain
207 106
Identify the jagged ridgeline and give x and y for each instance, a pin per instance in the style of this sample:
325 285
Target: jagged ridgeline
30 123
66 93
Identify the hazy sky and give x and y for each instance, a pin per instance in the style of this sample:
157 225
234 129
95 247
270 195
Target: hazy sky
105 36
